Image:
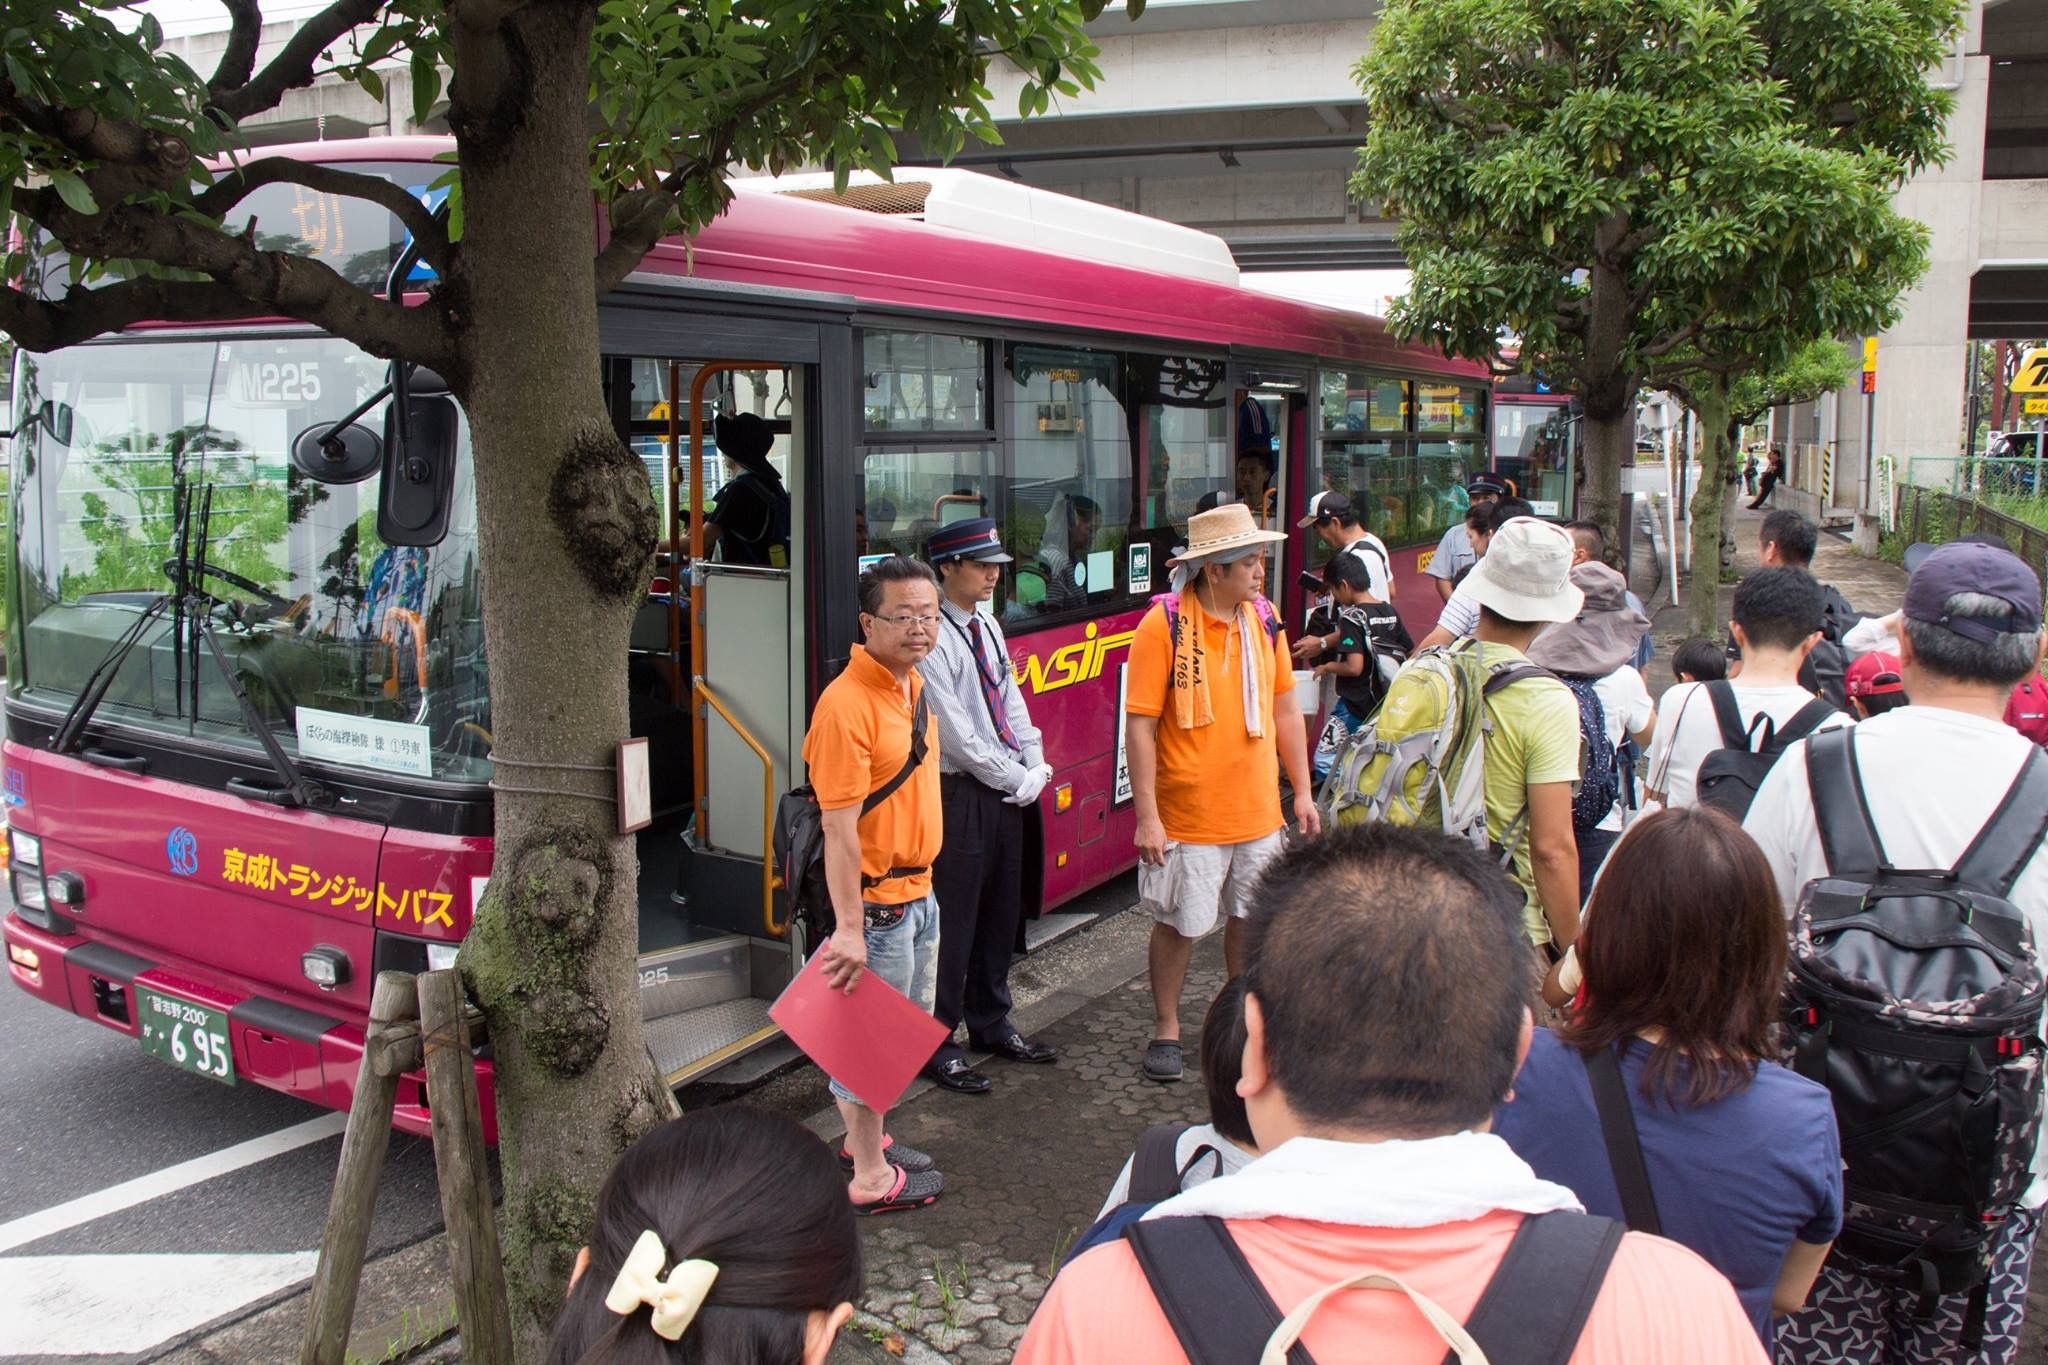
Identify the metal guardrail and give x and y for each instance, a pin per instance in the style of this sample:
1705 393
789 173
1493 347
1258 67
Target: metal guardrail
1932 514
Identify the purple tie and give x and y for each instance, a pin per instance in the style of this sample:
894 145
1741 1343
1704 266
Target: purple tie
992 687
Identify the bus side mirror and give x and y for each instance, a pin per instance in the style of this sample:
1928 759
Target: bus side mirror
417 492
56 419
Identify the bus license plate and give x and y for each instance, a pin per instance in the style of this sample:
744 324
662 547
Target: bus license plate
188 1036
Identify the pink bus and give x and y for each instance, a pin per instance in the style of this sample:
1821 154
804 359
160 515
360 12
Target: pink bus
230 806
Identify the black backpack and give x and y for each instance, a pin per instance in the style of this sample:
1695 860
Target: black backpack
1826 670
1729 776
799 846
1531 1312
1600 776
1916 998
1156 1175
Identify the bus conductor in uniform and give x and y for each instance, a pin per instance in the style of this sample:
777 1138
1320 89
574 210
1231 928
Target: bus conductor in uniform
991 769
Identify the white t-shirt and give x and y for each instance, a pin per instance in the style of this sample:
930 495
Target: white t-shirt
1625 701
1460 615
1687 732
1235 1159
1379 569
1931 778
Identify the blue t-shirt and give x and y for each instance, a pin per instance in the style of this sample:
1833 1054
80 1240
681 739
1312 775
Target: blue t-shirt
1736 1180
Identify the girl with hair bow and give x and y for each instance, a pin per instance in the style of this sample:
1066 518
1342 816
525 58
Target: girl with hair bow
722 1238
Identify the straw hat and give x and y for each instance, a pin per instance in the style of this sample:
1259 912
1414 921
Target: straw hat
1213 535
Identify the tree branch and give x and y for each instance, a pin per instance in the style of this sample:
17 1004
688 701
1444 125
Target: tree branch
238 62
292 68
86 313
269 283
237 185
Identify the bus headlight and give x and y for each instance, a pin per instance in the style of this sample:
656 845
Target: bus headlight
27 849
324 967
28 892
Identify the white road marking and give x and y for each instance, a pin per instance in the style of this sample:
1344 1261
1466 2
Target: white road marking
107 1305
84 1209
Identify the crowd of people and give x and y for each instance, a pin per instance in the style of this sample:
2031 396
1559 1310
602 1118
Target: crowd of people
1518 1057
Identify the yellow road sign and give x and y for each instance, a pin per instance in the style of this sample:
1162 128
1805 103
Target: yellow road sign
1870 355
2033 372
2037 407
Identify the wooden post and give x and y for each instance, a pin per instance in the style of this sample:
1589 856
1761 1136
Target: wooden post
364 1144
473 1259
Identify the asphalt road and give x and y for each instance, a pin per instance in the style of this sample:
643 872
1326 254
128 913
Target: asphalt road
108 1250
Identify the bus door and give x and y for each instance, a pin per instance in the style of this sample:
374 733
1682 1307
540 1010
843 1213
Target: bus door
716 691
1272 430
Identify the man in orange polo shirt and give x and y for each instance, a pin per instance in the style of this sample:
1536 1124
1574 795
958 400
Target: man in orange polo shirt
1209 719
878 863
1370 1088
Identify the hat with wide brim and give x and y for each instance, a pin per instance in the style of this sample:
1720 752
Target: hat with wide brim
1525 574
1605 633
1223 534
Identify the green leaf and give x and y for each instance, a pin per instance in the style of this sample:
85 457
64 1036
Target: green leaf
1134 9
75 193
372 83
426 86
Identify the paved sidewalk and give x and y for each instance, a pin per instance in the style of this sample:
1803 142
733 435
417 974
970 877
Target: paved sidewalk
1027 1167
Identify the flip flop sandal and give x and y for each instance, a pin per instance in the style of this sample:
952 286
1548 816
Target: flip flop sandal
912 1190
896 1154
1163 1061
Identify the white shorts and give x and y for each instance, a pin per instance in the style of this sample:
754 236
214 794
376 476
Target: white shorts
1185 892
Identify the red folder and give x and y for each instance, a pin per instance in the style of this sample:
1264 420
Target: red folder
873 1041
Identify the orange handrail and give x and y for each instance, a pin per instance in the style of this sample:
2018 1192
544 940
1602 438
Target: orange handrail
769 881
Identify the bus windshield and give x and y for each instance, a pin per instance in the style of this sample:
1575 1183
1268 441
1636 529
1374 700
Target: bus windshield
354 653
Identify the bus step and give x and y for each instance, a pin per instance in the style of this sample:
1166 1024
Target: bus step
693 976
691 1043
1047 930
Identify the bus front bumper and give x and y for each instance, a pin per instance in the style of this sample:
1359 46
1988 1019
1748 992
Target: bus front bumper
282 1046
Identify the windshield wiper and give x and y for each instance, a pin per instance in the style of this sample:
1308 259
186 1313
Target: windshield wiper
297 789
71 729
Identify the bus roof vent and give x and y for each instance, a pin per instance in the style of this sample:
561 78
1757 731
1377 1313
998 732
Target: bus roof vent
904 197
999 210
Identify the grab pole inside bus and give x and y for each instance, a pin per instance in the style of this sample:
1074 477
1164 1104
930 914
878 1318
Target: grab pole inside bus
700 693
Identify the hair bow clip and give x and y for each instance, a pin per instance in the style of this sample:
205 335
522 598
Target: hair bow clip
675 1299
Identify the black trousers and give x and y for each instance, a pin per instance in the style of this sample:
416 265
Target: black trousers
979 880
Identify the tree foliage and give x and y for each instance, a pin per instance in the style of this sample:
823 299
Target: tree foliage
127 173
1619 182
108 141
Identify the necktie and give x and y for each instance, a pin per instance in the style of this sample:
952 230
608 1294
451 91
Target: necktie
992 687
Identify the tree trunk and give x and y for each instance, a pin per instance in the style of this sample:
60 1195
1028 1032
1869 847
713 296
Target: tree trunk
1609 389
566 525
1709 506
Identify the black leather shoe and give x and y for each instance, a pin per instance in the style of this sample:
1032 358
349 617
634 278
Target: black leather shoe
955 1074
1018 1048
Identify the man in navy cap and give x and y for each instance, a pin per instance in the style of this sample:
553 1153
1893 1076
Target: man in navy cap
1456 553
1933 776
991 767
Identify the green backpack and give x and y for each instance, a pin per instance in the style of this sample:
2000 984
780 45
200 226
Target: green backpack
1421 759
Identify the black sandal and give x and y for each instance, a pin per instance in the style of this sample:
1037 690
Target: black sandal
912 1190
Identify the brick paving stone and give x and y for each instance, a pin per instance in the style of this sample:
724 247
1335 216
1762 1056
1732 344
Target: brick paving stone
1026 1168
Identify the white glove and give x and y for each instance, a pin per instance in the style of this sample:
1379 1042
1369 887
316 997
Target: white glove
1032 784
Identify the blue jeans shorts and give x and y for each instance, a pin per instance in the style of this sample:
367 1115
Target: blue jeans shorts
905 954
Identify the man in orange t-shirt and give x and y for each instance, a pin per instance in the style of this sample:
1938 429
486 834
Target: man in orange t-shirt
1370 1091
1209 718
878 864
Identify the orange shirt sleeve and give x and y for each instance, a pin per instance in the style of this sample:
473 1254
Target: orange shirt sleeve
1150 666
1283 665
839 750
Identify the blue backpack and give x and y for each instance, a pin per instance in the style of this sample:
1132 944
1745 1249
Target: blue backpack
1155 1175
1600 779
